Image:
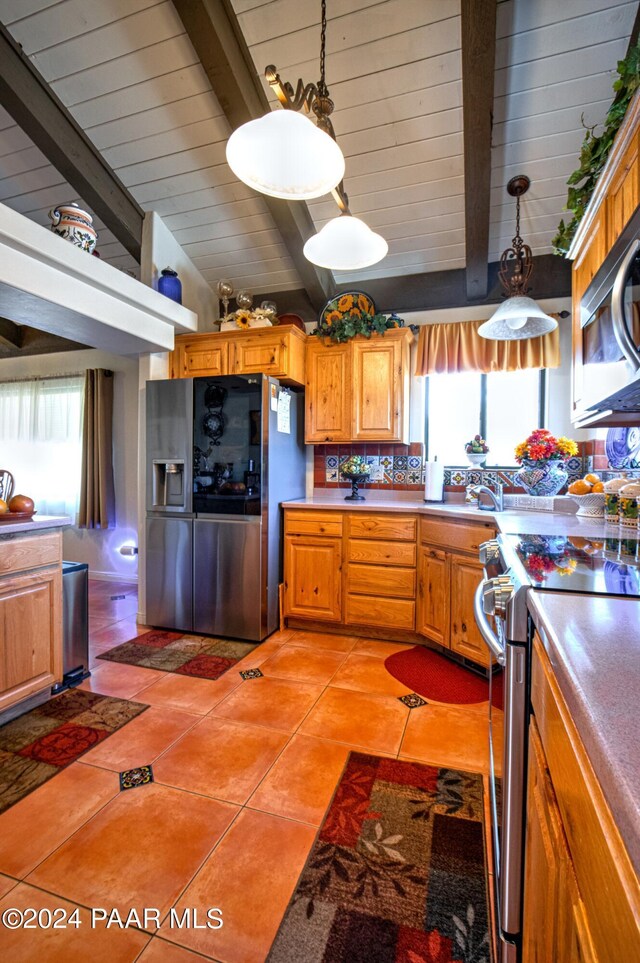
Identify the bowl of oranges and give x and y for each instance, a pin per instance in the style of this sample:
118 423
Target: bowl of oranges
588 493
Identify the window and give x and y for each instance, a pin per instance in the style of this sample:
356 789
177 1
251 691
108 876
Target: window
41 440
503 407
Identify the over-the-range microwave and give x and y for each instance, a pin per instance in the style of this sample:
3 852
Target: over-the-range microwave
609 373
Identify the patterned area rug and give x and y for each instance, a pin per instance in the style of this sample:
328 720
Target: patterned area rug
194 655
435 677
36 746
397 873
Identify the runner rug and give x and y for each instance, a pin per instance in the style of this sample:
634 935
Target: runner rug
435 677
42 742
397 873
194 655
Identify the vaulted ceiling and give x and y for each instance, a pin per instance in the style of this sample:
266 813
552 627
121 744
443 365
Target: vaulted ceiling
129 74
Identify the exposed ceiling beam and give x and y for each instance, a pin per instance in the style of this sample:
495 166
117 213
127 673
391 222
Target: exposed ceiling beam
215 34
25 94
478 28
26 341
551 278
10 334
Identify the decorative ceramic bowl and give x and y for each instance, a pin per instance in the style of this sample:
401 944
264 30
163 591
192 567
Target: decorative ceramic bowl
591 504
476 457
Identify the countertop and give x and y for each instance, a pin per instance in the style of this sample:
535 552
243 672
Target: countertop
593 643
36 524
512 520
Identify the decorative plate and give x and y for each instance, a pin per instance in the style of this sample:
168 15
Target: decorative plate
344 305
16 516
622 447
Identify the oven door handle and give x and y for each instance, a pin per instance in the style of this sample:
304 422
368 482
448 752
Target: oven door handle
491 639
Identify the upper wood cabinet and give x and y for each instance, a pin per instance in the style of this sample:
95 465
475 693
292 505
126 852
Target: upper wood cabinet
328 392
277 351
358 391
612 205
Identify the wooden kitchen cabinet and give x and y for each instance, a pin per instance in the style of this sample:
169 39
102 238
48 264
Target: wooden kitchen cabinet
433 594
30 616
447 581
581 894
313 565
277 351
465 574
358 391
328 392
612 204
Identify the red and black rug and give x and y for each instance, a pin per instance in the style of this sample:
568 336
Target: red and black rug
397 873
42 742
435 677
195 655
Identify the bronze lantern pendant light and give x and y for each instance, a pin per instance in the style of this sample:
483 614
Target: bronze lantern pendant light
518 317
284 154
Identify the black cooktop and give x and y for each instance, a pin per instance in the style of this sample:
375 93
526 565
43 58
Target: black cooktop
607 565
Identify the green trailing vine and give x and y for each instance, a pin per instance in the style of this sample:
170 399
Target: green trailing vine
595 150
344 328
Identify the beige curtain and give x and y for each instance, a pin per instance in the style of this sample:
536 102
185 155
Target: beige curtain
457 346
97 496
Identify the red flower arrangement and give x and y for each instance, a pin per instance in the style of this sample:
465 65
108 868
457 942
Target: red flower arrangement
541 445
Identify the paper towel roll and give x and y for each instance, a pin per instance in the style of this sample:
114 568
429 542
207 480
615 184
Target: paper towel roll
434 481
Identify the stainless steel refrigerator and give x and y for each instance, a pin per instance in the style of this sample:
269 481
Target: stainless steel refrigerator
222 454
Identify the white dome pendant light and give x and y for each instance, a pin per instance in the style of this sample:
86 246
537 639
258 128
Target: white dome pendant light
518 317
345 243
284 154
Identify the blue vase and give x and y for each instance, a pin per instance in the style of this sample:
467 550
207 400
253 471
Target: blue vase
169 285
542 477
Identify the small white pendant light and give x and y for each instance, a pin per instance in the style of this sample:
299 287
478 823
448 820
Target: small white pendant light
345 243
519 317
284 154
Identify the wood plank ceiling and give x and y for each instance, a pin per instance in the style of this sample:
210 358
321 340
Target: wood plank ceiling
131 78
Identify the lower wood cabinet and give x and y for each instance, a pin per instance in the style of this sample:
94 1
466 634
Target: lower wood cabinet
313 577
367 570
581 894
433 594
30 617
447 582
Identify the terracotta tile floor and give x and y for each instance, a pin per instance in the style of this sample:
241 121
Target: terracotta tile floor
244 771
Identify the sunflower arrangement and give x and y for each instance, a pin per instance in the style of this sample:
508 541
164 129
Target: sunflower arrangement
244 318
351 314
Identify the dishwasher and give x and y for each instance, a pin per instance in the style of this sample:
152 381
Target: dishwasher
75 625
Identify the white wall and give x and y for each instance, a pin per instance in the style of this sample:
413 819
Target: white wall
100 548
160 250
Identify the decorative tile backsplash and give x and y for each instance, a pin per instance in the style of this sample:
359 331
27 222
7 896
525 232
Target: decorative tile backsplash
401 467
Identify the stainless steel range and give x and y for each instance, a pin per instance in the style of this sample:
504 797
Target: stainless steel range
514 564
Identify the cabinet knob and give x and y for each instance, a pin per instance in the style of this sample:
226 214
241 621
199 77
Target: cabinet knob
464 627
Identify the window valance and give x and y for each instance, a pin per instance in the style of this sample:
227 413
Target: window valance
456 346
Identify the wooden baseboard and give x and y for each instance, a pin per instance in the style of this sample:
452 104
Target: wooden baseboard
389 634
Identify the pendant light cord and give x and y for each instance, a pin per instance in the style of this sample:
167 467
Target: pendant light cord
322 87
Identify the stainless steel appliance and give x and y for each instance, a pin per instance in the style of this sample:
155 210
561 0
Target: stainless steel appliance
222 454
608 377
513 565
75 625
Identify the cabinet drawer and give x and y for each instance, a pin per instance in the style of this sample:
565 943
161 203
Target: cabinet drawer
394 553
312 523
30 551
401 527
370 610
455 535
381 580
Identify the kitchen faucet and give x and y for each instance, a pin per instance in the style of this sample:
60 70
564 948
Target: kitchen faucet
497 497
